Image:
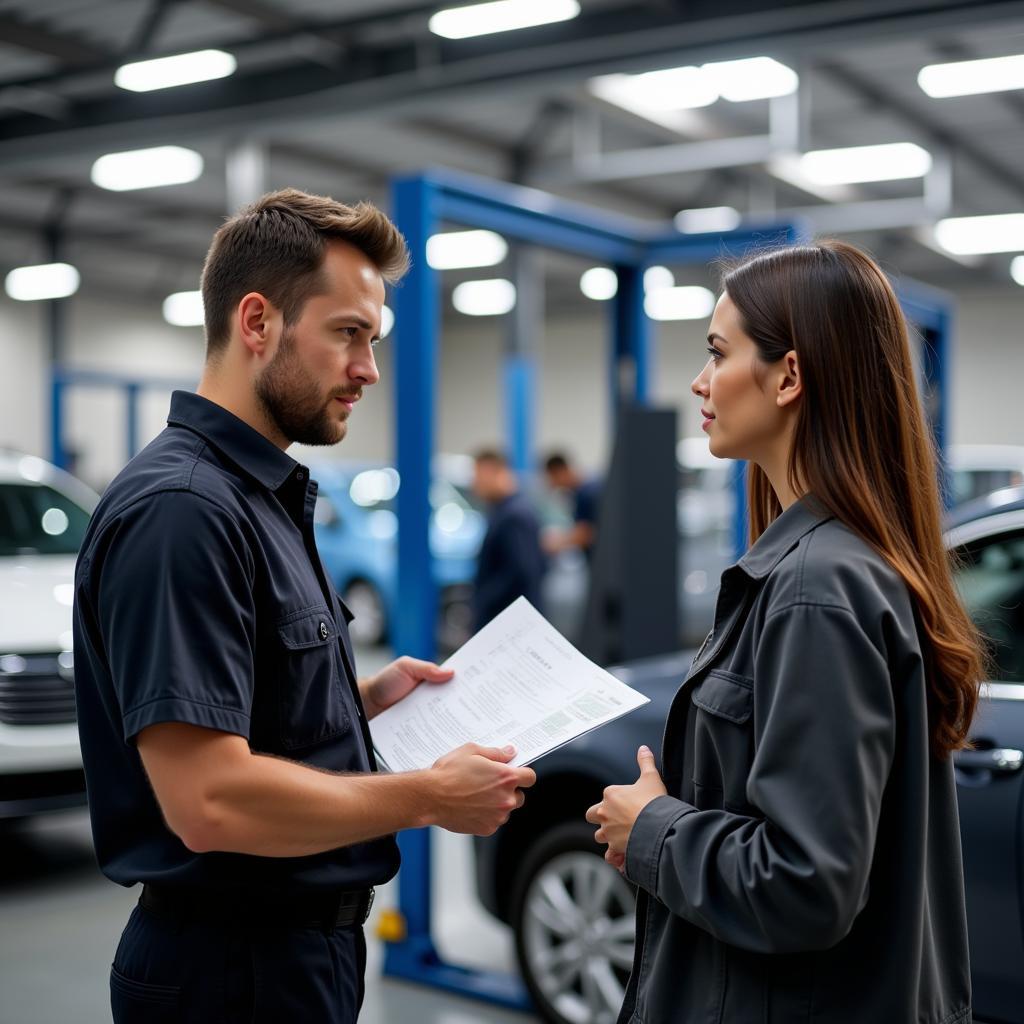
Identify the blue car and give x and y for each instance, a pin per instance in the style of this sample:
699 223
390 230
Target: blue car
572 913
356 528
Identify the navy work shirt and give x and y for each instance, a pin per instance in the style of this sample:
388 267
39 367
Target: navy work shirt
200 598
511 563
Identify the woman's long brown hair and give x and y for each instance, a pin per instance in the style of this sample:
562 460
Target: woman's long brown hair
861 444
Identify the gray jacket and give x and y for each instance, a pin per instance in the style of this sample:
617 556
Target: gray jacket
805 865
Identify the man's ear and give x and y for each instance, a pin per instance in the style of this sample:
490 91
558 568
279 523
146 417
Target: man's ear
258 323
790 383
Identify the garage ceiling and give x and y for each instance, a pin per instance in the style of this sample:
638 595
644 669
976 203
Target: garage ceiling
341 96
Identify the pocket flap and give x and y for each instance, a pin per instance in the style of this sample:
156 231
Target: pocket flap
307 629
726 694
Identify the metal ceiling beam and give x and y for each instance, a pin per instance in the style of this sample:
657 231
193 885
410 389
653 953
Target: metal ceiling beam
861 85
393 74
25 36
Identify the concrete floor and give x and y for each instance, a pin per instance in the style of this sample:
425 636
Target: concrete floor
60 920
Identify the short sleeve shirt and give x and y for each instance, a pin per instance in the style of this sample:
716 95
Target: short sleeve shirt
200 598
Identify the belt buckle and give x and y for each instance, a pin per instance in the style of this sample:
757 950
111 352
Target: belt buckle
371 893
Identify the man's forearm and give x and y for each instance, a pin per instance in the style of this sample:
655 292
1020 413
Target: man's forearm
272 807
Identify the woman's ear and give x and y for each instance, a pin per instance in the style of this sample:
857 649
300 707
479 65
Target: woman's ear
790 386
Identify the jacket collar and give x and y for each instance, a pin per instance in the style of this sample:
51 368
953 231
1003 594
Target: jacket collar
243 445
782 536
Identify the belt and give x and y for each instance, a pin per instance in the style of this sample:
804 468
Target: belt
326 911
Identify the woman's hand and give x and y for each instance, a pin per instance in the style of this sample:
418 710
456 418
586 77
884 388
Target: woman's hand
616 814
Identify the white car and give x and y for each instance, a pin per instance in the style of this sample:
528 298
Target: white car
43 516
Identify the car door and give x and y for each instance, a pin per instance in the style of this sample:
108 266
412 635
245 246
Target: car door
990 778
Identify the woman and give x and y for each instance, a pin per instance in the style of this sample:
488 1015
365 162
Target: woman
801 859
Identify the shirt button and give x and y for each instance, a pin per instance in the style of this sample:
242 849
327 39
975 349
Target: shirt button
323 630
299 475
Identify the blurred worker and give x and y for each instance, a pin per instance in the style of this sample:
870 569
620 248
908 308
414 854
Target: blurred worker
223 729
586 496
511 563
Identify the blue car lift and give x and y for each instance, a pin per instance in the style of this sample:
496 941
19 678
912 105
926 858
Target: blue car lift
421 203
62 380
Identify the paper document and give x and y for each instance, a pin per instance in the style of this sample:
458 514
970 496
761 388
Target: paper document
517 681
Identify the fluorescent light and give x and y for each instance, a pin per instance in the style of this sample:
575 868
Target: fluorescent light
708 218
1017 270
655 92
657 278
484 298
184 309
43 281
500 16
387 321
965 236
690 302
167 72
866 163
147 168
754 78
456 250
599 283
970 77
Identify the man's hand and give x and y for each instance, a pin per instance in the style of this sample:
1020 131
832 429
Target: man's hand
616 814
477 789
398 680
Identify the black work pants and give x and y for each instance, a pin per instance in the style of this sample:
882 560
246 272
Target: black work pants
190 972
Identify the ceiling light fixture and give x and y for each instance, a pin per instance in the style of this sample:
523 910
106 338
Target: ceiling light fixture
654 92
689 302
500 16
599 283
147 168
42 281
184 309
708 218
854 164
387 321
753 78
657 279
966 236
458 250
484 298
970 77
169 72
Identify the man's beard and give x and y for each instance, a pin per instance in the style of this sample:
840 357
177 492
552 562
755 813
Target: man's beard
293 401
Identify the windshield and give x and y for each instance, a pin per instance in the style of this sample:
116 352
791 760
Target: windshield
37 520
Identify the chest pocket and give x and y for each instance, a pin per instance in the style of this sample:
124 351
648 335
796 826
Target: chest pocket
723 740
310 705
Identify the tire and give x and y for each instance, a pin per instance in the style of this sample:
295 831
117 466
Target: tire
455 618
574 921
369 625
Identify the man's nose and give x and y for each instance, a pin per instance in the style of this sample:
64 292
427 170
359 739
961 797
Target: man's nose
364 368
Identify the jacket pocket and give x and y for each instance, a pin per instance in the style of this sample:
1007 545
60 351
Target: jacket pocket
310 706
724 737
141 1002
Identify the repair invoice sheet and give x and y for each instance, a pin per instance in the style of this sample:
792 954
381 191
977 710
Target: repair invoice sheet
517 681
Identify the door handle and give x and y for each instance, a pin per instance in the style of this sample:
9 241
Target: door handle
1001 760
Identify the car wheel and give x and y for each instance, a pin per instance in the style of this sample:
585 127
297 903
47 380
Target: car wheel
456 618
574 921
369 622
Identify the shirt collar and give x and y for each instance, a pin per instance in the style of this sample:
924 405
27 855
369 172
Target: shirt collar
242 444
782 536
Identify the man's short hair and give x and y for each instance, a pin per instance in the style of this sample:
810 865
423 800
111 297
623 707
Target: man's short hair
276 247
555 461
491 456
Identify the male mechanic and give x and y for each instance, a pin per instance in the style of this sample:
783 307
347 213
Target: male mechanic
223 729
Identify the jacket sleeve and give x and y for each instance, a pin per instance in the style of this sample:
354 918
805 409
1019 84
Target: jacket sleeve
794 876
